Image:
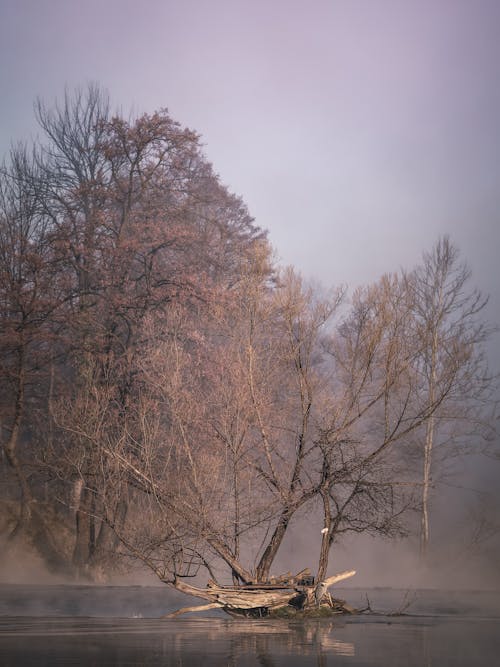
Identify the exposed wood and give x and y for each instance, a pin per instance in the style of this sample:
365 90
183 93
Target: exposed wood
339 577
204 593
281 578
185 610
261 598
255 599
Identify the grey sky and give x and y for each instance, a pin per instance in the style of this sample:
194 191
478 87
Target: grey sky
356 131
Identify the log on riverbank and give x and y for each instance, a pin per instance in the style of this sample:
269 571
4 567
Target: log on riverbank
258 600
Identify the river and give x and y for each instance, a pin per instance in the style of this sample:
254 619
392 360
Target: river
105 625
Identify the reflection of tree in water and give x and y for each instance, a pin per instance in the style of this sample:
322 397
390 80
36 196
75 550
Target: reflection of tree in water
264 658
320 637
256 640
268 641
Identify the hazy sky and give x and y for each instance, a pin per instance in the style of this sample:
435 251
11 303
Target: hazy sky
357 131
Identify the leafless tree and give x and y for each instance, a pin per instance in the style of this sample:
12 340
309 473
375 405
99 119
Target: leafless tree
187 397
453 374
30 299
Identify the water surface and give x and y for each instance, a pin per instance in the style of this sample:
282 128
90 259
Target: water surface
71 625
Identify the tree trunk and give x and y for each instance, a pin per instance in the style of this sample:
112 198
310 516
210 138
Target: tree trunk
10 446
325 538
264 566
426 482
84 527
428 447
107 539
244 575
43 541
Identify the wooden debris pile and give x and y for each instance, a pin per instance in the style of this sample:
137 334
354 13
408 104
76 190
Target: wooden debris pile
297 592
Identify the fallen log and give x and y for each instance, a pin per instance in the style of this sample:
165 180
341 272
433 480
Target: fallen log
185 610
259 599
339 577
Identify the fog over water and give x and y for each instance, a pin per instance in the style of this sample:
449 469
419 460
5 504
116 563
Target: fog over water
74 601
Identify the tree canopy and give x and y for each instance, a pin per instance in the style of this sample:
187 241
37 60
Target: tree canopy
172 396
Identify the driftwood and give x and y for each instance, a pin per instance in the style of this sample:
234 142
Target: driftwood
259 599
185 610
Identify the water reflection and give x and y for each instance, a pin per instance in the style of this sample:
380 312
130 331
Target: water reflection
49 627
212 641
272 641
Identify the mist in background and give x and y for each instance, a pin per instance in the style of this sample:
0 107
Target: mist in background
357 132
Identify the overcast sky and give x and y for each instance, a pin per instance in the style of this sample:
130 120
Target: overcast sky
357 131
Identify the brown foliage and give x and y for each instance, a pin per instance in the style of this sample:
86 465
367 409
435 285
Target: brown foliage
177 397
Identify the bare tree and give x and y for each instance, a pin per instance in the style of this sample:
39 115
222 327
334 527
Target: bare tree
451 364
30 299
129 219
374 406
189 398
247 412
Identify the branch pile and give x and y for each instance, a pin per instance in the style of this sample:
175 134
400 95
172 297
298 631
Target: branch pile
257 600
